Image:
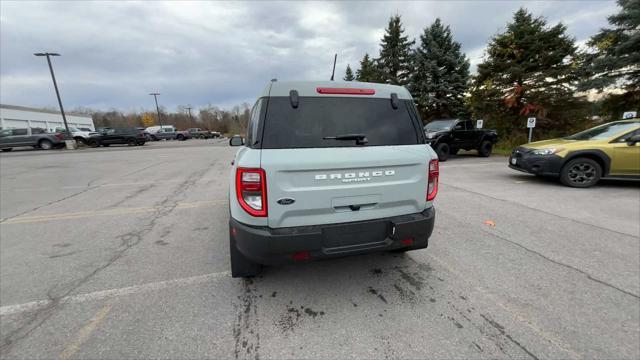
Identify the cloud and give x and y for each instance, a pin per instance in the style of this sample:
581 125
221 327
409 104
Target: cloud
223 53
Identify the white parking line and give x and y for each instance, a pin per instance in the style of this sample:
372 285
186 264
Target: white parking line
108 212
73 187
105 294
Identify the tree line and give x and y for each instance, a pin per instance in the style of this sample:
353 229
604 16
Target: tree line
530 69
209 117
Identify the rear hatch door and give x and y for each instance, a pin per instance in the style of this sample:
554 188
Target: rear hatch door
313 179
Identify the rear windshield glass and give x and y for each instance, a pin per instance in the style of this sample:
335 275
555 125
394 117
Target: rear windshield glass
320 117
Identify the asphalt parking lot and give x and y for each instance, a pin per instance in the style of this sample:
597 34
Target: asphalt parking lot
123 253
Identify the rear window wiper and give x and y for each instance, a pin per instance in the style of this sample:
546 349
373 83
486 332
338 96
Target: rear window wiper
361 139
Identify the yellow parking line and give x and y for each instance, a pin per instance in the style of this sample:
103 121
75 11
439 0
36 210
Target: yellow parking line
83 335
108 212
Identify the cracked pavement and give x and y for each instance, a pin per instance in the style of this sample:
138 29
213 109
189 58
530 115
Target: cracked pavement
123 253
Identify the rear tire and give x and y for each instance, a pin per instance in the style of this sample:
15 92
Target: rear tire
131 142
7 149
581 173
180 137
92 143
485 149
240 265
443 151
45 144
80 141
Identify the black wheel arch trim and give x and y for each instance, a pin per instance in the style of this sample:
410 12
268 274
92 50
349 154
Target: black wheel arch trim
489 136
599 154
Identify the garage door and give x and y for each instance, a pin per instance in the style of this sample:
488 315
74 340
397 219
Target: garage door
38 124
14 124
54 124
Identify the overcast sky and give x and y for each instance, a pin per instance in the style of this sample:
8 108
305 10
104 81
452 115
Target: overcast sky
200 53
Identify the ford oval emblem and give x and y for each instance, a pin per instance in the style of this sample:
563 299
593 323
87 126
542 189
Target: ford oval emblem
285 201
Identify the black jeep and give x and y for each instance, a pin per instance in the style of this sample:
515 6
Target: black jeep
448 136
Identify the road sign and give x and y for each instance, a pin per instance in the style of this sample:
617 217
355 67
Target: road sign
630 115
479 124
531 122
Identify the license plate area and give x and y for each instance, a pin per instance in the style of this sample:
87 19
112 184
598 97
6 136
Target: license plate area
345 238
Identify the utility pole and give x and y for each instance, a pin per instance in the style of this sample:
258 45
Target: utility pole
190 117
55 86
335 58
155 96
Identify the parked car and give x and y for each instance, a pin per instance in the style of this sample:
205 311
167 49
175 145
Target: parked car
110 136
147 136
167 132
35 137
329 169
203 134
611 150
78 135
449 136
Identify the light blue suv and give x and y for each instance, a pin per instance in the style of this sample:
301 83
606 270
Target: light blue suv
329 169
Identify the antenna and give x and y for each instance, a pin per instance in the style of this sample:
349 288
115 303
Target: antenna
334 66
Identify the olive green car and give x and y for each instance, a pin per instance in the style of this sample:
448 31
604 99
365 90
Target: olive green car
611 150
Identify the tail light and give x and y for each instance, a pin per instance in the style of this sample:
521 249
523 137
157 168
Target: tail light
345 91
59 136
251 190
434 173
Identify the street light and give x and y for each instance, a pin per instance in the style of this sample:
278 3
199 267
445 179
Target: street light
190 117
155 96
55 86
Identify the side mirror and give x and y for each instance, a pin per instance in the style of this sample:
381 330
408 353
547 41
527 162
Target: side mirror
236 140
633 140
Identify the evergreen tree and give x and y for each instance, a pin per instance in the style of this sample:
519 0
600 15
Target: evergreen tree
616 56
529 70
441 74
394 63
367 71
614 61
348 75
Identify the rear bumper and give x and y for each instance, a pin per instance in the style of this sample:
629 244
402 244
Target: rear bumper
277 246
545 165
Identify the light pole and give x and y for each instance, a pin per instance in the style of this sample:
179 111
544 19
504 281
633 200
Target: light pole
55 86
190 117
155 96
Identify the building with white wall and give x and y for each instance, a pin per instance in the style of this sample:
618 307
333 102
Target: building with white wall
15 117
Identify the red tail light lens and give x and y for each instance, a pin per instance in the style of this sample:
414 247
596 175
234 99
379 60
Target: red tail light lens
434 173
251 190
59 136
301 256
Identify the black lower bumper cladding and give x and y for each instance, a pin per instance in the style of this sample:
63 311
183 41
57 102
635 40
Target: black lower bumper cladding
277 246
523 159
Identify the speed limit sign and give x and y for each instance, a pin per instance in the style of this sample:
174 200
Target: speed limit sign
531 122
